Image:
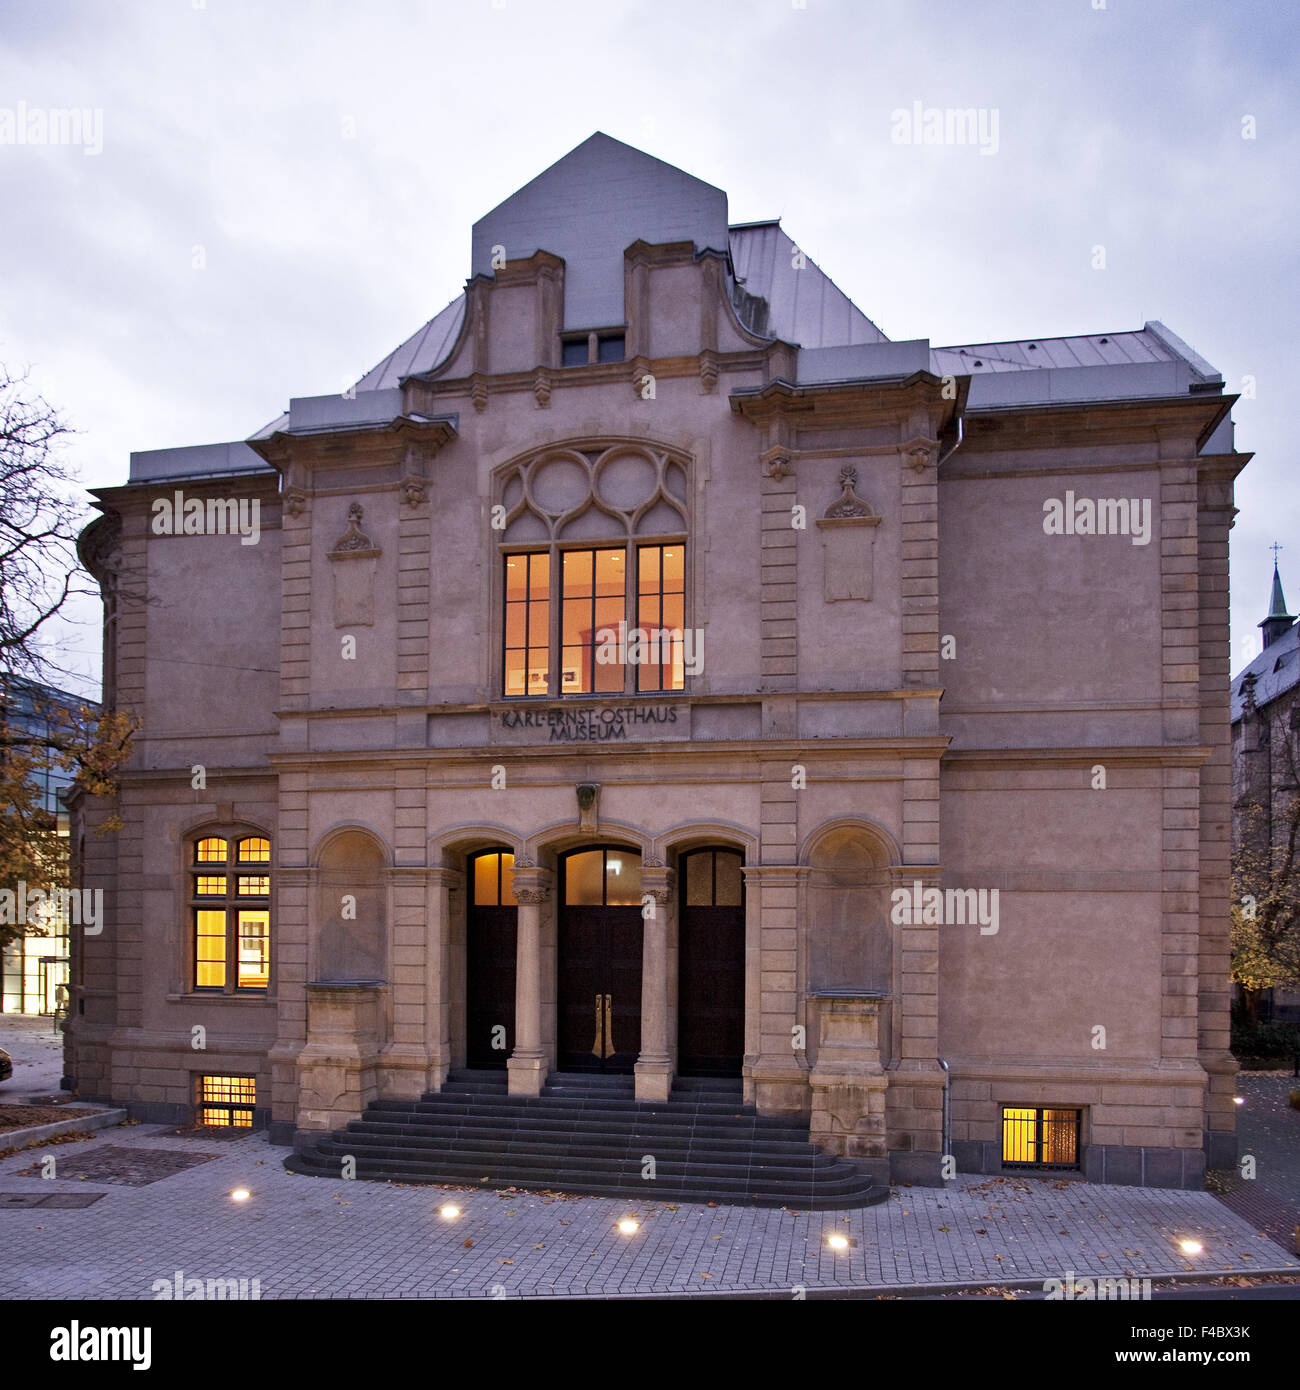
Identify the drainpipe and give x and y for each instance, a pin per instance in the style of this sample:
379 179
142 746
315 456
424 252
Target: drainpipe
957 443
947 1127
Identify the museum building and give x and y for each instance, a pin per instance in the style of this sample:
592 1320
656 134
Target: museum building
651 677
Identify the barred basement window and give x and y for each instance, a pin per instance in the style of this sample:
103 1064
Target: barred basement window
230 907
1034 1138
226 1101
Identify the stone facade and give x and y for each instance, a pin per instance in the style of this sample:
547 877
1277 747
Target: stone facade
909 684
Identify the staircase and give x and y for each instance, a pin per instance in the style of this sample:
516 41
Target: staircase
586 1133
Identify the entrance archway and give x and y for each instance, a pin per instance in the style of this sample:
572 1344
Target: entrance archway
710 963
491 930
599 977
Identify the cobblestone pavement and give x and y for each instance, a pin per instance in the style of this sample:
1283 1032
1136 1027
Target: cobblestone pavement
37 1050
311 1238
1268 1129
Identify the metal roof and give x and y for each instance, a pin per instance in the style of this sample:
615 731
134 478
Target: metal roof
570 208
805 306
1277 669
1151 343
421 352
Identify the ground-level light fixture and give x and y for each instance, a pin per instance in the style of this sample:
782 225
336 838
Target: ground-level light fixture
839 1242
628 1226
1190 1247
449 1212
1239 1100
240 1194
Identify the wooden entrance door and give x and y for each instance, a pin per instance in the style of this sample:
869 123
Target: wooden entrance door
600 936
491 929
711 964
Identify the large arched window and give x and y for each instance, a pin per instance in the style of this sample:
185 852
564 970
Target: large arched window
594 573
230 913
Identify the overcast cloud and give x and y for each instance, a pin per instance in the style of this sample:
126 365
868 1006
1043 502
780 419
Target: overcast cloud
329 159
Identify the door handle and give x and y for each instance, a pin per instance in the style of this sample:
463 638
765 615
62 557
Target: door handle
609 1027
598 1047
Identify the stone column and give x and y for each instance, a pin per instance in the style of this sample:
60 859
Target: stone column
437 973
527 1065
654 1067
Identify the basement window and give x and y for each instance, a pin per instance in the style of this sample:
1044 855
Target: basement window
226 1101
1040 1138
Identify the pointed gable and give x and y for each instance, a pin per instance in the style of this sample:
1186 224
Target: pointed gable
588 208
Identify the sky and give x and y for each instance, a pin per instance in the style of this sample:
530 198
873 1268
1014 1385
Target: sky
266 198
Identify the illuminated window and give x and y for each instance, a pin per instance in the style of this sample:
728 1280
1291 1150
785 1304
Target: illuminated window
593 543
661 615
527 627
227 1101
494 880
599 651
1040 1138
602 878
594 599
231 915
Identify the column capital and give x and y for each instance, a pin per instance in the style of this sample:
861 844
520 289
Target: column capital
659 881
532 884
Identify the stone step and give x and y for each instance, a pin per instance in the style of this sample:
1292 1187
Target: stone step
588 1133
370 1133
744 1130
866 1194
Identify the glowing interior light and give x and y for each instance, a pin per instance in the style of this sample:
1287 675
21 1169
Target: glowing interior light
1190 1247
240 1194
838 1242
629 1227
449 1212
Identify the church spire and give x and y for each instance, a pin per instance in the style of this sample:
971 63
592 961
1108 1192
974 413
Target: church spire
1279 620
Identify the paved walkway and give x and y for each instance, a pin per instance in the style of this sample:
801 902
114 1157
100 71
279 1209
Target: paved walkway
1268 1129
37 1050
306 1237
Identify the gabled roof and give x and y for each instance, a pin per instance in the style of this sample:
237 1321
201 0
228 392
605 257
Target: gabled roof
604 195
1276 668
588 208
